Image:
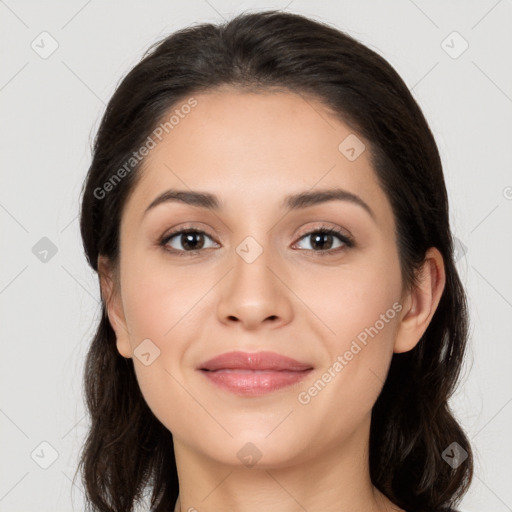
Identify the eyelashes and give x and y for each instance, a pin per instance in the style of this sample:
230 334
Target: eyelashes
190 236
189 233
346 241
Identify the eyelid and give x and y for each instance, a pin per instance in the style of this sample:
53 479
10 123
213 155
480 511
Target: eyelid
188 226
325 226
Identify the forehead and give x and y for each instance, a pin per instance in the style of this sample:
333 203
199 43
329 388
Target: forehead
255 148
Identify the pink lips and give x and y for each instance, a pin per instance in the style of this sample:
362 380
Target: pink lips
256 373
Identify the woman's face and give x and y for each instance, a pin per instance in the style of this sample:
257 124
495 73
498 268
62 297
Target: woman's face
262 279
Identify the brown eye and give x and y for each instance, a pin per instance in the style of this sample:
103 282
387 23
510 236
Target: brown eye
186 240
324 240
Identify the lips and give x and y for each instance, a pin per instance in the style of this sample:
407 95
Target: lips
256 373
254 361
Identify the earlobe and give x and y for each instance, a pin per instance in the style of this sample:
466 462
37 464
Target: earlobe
421 302
113 305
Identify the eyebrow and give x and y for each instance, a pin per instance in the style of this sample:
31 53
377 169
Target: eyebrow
291 202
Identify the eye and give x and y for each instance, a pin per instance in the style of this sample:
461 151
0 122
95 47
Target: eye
322 240
190 240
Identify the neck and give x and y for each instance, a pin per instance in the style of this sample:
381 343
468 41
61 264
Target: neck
335 480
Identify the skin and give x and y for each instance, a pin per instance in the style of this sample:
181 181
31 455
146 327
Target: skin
251 150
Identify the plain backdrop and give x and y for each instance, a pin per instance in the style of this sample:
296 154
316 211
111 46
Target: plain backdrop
61 62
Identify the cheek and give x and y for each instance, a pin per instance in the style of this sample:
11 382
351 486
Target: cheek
361 311
341 396
162 306
352 301
157 302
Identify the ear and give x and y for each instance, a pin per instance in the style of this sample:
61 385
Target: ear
421 303
111 294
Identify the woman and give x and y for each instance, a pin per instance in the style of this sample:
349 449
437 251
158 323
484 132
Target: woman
283 322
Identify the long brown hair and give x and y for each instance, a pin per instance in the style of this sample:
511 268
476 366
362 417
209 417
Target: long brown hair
127 450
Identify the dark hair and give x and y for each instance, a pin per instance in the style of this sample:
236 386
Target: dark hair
127 449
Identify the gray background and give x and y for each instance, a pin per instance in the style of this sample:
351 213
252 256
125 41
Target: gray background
50 109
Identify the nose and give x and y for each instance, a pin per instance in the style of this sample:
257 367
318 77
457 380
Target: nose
254 295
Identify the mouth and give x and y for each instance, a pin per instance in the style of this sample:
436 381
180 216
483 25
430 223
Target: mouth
254 374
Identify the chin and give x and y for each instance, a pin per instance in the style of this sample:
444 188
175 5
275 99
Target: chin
256 449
